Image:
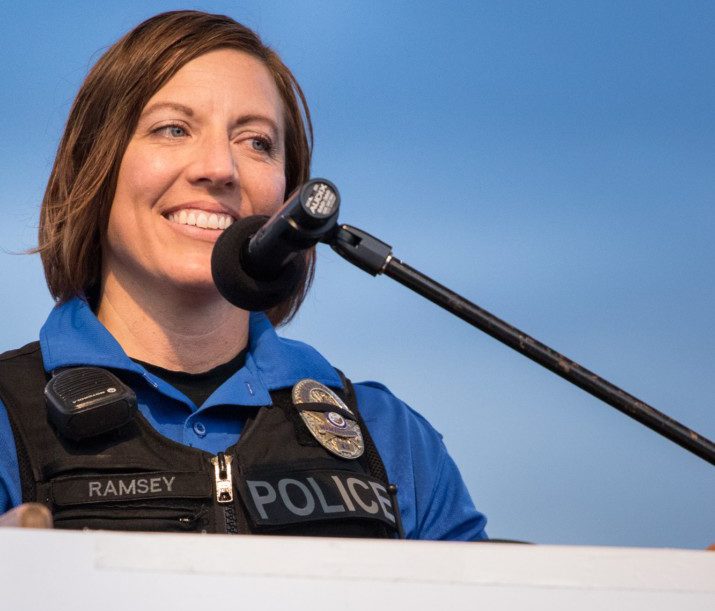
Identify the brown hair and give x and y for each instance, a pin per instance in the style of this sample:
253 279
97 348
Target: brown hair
80 190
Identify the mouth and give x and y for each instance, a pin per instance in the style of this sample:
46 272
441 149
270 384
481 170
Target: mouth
200 218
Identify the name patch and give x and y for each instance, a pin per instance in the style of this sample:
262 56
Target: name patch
315 495
130 486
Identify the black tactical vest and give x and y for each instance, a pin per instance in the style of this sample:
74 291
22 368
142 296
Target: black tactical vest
277 479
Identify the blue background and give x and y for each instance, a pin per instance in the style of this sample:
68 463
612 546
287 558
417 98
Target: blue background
551 161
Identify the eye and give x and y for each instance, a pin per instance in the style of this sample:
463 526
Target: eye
176 131
261 144
171 131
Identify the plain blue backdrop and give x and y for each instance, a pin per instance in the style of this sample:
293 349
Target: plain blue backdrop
551 161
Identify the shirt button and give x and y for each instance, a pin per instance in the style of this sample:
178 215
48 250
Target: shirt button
199 429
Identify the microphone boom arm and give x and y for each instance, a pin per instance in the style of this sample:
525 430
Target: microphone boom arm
375 257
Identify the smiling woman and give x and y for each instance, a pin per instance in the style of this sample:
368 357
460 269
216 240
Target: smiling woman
126 101
208 149
185 125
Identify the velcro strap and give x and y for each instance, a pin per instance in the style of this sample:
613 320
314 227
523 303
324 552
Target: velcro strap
315 495
84 489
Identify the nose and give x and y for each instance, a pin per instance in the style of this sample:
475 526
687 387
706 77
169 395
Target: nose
214 164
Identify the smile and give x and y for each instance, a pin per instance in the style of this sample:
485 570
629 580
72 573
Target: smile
200 218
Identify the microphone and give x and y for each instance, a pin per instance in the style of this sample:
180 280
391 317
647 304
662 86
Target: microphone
255 263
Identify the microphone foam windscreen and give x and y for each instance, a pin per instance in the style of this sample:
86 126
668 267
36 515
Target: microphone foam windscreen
236 284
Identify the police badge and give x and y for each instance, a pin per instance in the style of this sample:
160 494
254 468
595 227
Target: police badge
337 432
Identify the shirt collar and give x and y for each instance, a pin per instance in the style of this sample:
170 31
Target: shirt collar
73 336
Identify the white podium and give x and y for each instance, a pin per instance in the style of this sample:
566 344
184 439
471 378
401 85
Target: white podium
44 570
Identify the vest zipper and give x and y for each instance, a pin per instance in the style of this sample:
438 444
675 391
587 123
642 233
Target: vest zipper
224 489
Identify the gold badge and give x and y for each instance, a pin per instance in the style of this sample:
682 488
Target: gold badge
337 434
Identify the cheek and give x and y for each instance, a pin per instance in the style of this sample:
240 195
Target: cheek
117 244
268 193
142 177
141 181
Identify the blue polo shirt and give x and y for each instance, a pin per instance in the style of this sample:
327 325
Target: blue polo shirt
433 499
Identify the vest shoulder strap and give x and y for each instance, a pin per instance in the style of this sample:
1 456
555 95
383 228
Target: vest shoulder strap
375 464
21 373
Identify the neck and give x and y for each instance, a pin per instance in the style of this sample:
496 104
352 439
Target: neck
174 329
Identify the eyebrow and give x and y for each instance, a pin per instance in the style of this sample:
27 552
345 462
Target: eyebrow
171 106
251 118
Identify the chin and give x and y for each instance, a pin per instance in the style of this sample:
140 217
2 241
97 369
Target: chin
191 279
195 284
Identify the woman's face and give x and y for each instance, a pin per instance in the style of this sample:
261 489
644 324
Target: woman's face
208 149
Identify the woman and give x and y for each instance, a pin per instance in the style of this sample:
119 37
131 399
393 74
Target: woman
186 124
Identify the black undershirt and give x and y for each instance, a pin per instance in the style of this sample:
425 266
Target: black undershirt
198 386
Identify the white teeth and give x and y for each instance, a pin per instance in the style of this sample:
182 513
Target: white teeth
201 218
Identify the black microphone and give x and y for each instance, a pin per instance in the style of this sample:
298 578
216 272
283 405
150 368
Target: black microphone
254 262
